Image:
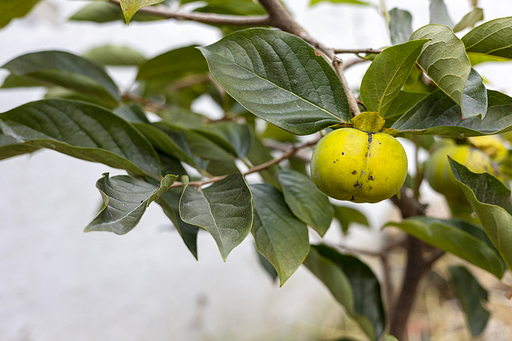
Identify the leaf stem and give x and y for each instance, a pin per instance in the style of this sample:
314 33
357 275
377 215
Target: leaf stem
337 63
357 51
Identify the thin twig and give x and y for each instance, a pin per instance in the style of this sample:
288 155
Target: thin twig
354 61
357 51
352 101
289 153
205 18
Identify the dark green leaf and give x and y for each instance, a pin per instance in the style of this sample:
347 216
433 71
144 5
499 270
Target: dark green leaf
279 235
474 98
173 65
471 295
132 113
125 200
114 56
83 131
13 81
9 147
170 203
66 70
437 114
439 13
490 200
347 215
267 266
102 12
459 237
232 7
10 9
444 59
387 74
279 78
233 137
130 7
400 26
224 210
259 154
491 38
219 162
470 19
353 284
306 201
403 102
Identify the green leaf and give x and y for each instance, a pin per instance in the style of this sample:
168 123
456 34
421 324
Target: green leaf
459 237
279 235
490 200
279 78
114 56
471 295
389 338
13 81
387 74
353 284
439 13
490 38
125 200
233 137
130 7
9 147
233 7
348 2
66 70
469 20
347 216
173 65
259 154
437 114
170 203
444 59
403 101
10 9
400 26
476 59
474 98
83 131
102 12
224 210
306 201
219 162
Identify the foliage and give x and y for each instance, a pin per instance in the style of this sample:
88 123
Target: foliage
195 168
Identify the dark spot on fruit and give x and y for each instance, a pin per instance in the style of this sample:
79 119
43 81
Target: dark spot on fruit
358 185
365 155
354 172
342 153
352 199
370 177
337 159
369 188
334 162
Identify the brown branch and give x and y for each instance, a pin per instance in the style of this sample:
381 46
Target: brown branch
337 63
205 18
508 294
357 51
289 153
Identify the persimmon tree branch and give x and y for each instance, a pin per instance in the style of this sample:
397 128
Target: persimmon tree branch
286 155
357 51
205 18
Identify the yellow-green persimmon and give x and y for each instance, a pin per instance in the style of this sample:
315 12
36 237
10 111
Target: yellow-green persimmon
364 167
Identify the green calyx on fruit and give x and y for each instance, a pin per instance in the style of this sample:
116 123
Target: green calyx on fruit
359 166
438 172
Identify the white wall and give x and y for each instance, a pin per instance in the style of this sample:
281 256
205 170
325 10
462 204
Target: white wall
58 283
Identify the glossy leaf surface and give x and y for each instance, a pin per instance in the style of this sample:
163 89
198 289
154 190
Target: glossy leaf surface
305 200
66 70
461 238
125 200
387 74
444 59
279 78
224 210
490 200
280 237
491 38
114 56
83 131
438 114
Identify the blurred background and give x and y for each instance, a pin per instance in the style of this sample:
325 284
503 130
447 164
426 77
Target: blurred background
59 283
